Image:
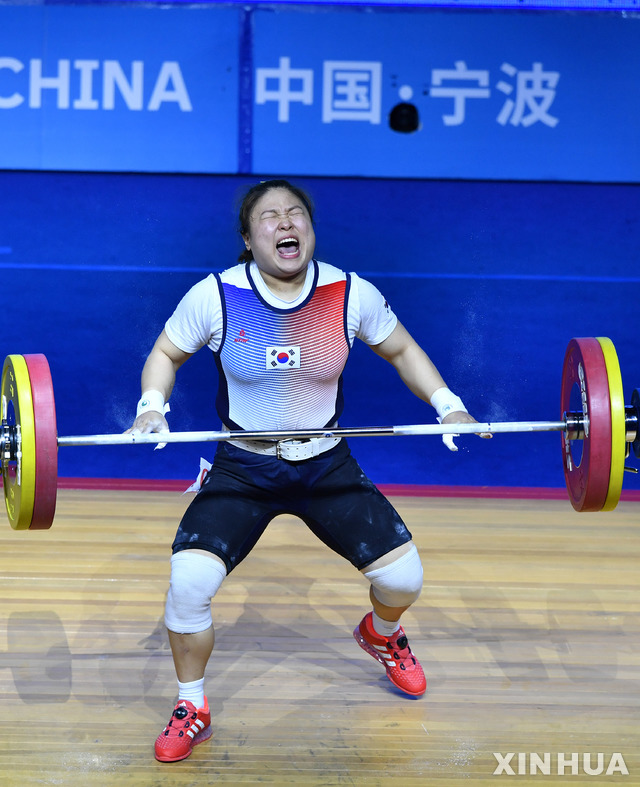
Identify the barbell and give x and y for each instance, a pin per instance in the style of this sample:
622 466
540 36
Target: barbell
596 435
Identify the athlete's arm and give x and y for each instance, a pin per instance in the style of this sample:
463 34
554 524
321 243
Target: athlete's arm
159 374
416 369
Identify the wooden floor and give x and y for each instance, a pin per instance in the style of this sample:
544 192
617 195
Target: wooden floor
528 629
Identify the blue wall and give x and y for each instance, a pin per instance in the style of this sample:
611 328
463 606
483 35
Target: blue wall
497 235
493 279
316 90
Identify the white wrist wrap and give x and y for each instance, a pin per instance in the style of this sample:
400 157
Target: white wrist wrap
445 402
152 400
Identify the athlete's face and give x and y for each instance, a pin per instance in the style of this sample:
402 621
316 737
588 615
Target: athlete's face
281 235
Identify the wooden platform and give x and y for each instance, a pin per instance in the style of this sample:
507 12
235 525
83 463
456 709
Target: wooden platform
528 629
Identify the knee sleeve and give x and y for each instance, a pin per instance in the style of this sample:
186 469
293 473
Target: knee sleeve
195 580
400 583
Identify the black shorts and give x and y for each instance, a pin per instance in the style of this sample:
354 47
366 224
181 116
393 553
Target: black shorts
244 491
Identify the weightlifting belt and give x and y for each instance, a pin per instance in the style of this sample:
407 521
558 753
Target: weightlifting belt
291 450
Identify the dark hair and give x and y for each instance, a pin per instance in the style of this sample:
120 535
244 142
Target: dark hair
254 194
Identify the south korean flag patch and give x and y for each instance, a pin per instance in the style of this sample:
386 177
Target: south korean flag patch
287 357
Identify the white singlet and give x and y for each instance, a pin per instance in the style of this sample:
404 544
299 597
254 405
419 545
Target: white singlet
280 363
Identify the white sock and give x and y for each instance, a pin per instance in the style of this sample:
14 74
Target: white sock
385 628
193 692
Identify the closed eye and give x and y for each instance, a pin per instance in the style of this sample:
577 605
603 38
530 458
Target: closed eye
268 215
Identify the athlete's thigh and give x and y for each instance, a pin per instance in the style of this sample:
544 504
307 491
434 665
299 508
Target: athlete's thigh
349 514
229 513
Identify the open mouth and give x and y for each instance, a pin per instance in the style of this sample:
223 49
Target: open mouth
288 247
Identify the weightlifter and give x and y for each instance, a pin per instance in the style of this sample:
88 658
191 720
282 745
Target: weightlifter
280 325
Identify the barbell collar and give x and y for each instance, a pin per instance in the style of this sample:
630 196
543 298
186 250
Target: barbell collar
574 426
632 423
635 416
9 441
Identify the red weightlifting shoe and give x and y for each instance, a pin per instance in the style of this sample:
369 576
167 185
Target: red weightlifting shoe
187 727
403 668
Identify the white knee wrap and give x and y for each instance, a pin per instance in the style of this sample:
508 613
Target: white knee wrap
400 583
195 580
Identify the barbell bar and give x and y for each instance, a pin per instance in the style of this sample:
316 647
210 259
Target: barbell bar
307 434
596 436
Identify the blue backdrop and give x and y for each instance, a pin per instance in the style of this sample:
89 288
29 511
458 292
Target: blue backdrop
325 91
481 168
492 278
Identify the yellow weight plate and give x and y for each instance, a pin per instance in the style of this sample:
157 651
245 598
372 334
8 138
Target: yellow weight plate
618 426
19 477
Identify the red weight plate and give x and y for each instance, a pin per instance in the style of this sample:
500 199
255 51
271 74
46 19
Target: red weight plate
46 436
584 374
